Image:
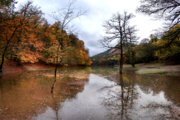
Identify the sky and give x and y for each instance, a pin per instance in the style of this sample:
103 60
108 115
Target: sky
89 27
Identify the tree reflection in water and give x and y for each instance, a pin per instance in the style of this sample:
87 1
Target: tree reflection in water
121 99
79 95
55 103
131 99
55 106
54 83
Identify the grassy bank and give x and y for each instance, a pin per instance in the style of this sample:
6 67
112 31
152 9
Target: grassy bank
157 68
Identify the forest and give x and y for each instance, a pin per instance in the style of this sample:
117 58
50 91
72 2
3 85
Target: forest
27 37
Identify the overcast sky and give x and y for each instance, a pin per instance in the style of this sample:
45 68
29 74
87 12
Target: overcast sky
89 27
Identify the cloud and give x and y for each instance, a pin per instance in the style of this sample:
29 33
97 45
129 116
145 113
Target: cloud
89 27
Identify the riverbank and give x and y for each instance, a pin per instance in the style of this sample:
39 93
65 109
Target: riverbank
155 68
11 67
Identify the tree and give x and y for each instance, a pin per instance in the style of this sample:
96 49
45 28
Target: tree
132 39
145 51
26 37
169 8
169 45
6 2
16 22
117 32
65 16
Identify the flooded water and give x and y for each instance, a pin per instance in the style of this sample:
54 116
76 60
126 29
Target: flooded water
89 94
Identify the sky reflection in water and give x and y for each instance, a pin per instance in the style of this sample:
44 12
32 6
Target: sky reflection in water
94 96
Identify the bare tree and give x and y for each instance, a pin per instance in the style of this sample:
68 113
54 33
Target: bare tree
64 17
117 33
169 8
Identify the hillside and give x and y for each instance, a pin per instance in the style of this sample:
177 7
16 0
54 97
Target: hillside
109 57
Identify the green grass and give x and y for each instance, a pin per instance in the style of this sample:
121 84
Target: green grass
151 71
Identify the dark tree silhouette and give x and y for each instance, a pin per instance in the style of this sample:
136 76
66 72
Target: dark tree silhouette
170 9
117 31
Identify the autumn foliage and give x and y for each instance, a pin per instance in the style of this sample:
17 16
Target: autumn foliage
26 37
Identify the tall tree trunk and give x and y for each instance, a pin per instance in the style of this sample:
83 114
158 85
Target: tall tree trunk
1 68
6 47
3 56
54 83
55 71
121 59
2 61
133 58
57 56
122 96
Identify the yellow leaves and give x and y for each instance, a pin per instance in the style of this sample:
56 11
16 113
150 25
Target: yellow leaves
29 56
83 57
59 31
51 58
174 27
168 45
39 45
159 43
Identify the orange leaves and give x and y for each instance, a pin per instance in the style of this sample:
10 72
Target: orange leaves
39 45
28 56
32 39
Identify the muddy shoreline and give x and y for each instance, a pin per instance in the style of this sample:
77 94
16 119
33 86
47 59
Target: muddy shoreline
11 67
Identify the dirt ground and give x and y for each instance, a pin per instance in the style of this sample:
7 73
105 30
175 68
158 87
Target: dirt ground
13 68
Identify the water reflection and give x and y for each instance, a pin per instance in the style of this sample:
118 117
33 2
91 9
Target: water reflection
120 98
29 94
104 99
54 83
84 94
137 101
87 104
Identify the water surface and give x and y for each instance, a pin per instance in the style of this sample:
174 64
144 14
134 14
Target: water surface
89 94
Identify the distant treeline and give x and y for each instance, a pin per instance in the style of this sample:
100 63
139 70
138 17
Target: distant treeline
165 49
27 37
